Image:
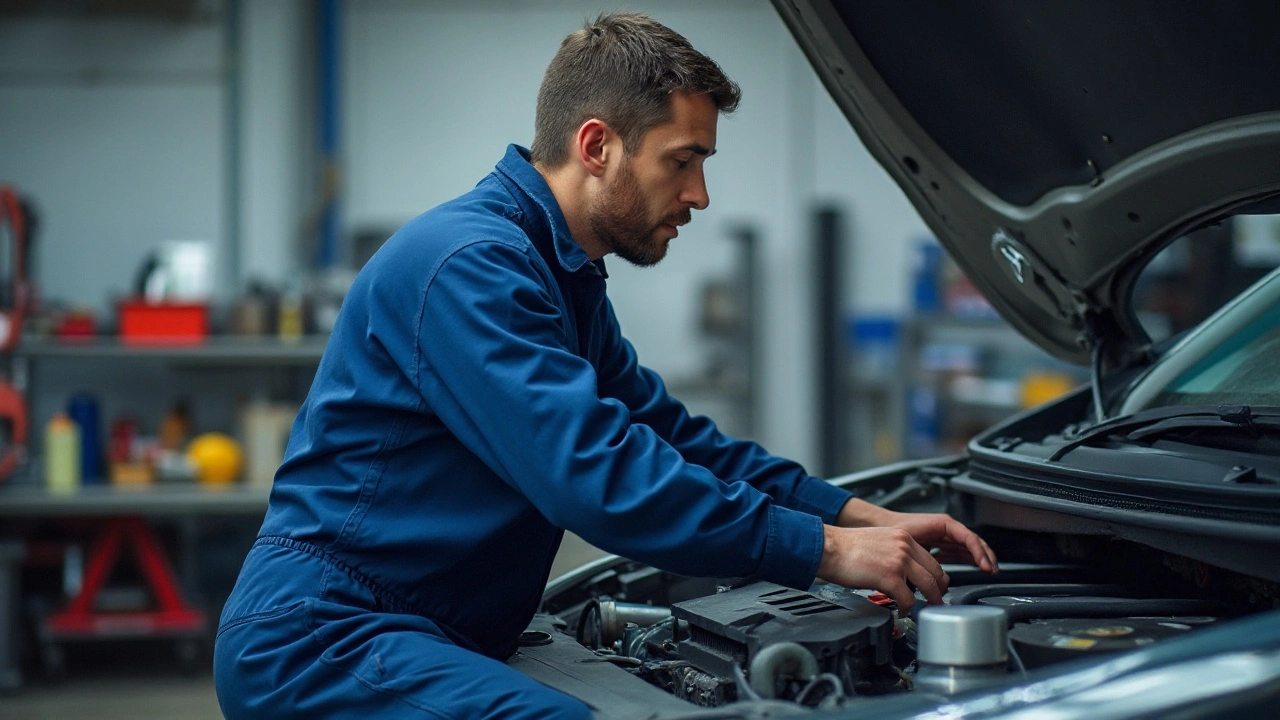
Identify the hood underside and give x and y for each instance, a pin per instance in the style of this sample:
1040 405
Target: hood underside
1055 146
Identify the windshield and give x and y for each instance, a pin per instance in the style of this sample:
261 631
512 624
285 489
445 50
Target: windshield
1243 371
1230 359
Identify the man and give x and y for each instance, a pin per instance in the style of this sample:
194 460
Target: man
477 398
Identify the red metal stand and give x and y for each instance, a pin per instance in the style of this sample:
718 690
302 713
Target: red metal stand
172 617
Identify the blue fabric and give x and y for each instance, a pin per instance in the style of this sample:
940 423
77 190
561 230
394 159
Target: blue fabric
477 398
285 657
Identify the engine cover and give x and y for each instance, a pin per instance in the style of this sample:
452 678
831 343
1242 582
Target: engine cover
844 631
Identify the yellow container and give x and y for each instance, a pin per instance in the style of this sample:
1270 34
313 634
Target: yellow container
62 454
216 457
1041 387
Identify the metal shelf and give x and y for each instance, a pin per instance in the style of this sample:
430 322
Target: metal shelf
160 499
220 350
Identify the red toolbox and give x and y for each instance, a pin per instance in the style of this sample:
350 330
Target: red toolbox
163 323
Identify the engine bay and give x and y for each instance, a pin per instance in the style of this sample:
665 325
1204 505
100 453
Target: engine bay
710 643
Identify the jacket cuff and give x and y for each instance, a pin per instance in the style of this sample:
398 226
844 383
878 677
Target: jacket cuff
819 497
793 549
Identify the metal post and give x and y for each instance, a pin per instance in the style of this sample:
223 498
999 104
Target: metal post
828 260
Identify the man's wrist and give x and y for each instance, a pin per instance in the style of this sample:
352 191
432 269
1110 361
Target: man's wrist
827 564
860 513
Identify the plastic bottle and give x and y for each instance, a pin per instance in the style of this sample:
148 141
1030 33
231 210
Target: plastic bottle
62 454
83 410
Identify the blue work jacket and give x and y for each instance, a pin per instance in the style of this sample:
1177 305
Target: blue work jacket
476 398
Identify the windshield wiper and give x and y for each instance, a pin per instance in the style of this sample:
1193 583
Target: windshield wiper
1151 423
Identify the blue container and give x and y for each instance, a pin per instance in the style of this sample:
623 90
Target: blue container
926 269
83 411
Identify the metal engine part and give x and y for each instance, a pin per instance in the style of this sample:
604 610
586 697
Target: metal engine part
961 648
848 636
603 622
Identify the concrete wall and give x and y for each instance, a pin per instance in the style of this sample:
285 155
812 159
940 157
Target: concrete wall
115 128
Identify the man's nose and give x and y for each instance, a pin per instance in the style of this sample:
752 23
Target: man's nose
695 193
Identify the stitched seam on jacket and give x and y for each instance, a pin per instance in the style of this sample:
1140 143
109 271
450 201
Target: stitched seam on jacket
392 600
261 615
369 485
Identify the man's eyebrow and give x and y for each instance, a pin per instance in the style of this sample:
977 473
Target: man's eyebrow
696 148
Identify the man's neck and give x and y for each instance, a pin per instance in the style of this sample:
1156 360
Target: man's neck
570 193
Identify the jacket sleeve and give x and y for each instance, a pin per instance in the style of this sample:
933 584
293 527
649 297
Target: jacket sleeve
494 365
700 442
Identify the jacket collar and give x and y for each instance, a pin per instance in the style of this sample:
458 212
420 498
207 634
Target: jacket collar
516 167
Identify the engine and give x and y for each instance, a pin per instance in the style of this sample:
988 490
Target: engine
712 644
762 640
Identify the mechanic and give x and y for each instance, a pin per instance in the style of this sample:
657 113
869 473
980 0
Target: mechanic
477 398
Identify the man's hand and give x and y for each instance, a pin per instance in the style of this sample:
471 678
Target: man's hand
881 558
954 541
872 547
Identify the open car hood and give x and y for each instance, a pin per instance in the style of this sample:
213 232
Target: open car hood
1055 146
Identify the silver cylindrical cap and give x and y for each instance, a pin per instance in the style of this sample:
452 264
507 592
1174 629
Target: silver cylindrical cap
963 635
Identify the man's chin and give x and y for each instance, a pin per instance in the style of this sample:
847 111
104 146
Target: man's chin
647 257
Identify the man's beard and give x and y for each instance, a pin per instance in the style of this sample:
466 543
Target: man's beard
621 221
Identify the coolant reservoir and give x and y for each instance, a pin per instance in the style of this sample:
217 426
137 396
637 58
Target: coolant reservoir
961 648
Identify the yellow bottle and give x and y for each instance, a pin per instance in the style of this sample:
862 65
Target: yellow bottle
62 454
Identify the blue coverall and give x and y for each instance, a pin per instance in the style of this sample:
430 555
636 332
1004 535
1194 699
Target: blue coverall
476 398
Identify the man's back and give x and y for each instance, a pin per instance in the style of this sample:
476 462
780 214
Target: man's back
375 481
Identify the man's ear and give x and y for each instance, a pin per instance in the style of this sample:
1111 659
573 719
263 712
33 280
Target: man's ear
594 144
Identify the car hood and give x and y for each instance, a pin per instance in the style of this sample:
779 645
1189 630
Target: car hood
1054 147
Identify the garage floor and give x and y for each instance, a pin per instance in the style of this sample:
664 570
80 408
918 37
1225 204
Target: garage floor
148 687
116 697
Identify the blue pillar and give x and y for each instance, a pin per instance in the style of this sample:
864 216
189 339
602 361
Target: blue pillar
330 67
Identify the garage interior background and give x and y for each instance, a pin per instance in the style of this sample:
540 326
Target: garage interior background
129 123
129 131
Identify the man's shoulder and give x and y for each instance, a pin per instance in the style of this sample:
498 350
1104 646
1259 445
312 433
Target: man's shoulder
486 212
485 215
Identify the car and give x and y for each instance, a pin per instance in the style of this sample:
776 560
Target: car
1054 148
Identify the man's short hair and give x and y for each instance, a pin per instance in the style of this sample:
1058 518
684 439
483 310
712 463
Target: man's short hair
622 69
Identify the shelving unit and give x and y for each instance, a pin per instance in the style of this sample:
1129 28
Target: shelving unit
144 380
209 527
228 350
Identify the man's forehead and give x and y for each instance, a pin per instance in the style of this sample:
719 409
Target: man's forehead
690 128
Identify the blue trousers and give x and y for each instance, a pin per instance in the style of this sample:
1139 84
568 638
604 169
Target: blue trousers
315 657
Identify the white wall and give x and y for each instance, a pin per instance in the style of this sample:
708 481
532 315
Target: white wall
432 93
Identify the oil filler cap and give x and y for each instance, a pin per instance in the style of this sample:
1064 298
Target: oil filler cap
963 635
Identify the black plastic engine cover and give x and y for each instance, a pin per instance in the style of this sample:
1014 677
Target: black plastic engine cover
729 628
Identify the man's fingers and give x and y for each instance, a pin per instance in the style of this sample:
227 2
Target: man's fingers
991 556
926 573
926 583
901 595
979 551
927 562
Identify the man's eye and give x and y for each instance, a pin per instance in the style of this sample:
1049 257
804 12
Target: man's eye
682 164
